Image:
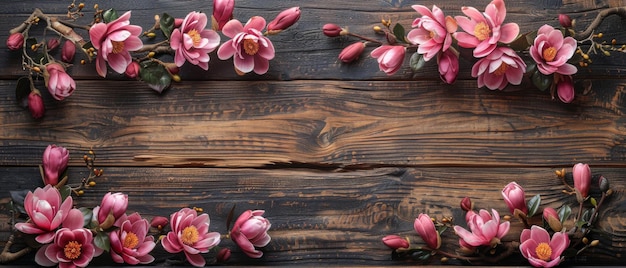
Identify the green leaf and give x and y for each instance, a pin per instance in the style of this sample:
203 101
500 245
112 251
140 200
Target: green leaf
520 43
541 81
18 200
22 90
398 31
420 255
533 205
87 216
166 24
102 241
155 75
442 229
110 15
417 61
229 219
530 37
564 213
66 191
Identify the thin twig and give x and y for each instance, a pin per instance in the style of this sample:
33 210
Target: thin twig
620 11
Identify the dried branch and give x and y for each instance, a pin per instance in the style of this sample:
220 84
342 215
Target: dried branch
620 11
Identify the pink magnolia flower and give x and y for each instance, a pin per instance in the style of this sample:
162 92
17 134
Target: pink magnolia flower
484 229
389 58
249 231
69 49
248 47
552 218
113 41
515 198
192 42
190 233
15 41
395 242
498 69
55 159
484 31
222 13
35 104
71 248
425 227
582 179
541 250
352 52
59 83
433 33
448 65
551 51
46 213
284 20
112 207
565 88
131 243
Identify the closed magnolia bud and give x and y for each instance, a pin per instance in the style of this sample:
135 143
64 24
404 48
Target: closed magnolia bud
223 255
582 179
352 52
52 43
54 163
565 21
332 30
284 20
395 242
69 49
159 222
15 41
132 70
466 204
178 22
552 218
35 104
222 13
603 183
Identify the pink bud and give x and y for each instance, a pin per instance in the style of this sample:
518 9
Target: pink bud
565 21
223 255
35 104
466 204
582 179
425 227
115 204
565 89
159 222
552 218
222 13
284 20
332 30
69 49
448 63
514 197
352 52
389 58
52 43
132 71
59 83
178 22
395 242
15 41
55 159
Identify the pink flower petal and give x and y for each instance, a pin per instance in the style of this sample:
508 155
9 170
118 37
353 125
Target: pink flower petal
195 259
509 32
256 22
232 28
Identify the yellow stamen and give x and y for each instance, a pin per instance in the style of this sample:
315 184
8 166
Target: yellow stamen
195 37
549 54
502 69
482 31
72 250
432 34
544 251
190 235
117 47
131 240
250 46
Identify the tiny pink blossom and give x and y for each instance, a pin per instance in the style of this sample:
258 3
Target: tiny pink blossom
395 242
59 83
389 58
250 49
448 65
250 231
71 248
54 163
541 250
131 243
484 229
113 41
483 31
551 51
46 213
433 33
582 178
514 197
565 88
192 42
425 227
190 233
498 69
69 49
222 13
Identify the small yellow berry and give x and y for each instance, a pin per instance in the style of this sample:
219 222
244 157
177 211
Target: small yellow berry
81 6
92 183
606 53
80 192
82 62
95 6
600 35
586 56
151 54
151 35
377 29
585 240
613 41
36 69
176 78
595 243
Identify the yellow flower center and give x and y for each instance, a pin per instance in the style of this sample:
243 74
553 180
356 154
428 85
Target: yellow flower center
549 54
432 34
190 235
544 251
502 69
131 240
482 31
195 37
250 46
72 250
117 47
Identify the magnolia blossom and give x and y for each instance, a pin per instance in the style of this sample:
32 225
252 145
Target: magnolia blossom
190 233
46 213
565 88
222 13
35 104
498 69
248 47
515 198
582 179
483 31
112 207
284 20
249 231
15 41
551 51
395 242
59 83
192 42
131 243
425 227
540 250
484 229
352 52
113 41
448 65
433 33
55 160
71 248
389 58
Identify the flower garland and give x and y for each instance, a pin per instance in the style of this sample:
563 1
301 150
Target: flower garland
501 56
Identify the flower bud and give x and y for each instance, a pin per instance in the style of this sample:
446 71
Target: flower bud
52 44
159 222
223 255
466 204
565 21
425 227
35 104
603 183
514 197
565 89
59 83
448 65
284 20
352 52
113 204
15 41
222 13
69 49
54 163
552 218
132 70
395 242
178 22
582 179
332 30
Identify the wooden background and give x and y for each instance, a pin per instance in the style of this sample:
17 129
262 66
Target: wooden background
338 155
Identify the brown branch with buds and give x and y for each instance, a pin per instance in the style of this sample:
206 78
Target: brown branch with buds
620 11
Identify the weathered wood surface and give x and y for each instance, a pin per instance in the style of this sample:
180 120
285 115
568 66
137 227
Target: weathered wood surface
338 155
